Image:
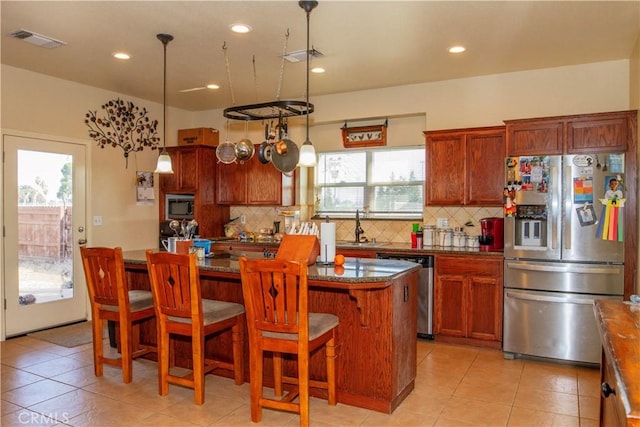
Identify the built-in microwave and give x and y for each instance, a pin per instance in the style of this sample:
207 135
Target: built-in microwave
179 206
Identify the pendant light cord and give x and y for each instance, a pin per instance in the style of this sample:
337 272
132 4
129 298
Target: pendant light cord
164 98
165 39
307 91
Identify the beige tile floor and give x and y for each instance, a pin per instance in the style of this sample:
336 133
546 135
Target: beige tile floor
44 384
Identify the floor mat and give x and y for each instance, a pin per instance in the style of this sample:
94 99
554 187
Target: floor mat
68 336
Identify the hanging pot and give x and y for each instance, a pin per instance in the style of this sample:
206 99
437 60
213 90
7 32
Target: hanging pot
226 152
244 150
264 152
285 155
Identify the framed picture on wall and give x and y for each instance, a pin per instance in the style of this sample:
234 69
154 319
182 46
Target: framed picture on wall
364 136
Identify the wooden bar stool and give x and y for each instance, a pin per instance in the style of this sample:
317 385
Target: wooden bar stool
112 300
276 299
181 310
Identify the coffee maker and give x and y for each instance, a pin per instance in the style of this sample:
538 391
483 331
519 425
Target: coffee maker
492 234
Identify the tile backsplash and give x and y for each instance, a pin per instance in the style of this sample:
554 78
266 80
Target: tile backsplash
383 231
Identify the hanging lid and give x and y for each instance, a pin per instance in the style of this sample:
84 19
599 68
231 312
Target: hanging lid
285 155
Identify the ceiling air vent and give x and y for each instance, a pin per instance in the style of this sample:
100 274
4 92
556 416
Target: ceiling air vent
301 55
37 39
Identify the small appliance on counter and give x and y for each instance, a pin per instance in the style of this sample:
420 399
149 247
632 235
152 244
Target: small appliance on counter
492 234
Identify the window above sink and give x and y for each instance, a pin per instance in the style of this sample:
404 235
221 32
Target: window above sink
381 183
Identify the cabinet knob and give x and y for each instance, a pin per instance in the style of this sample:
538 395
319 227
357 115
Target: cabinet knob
607 390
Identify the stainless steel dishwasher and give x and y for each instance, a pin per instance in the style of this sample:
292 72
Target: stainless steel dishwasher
425 290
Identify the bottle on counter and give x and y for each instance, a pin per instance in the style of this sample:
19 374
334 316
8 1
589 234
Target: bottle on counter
419 239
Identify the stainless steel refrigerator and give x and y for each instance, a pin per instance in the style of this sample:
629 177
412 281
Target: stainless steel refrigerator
563 248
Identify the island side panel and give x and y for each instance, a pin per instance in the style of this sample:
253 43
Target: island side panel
376 361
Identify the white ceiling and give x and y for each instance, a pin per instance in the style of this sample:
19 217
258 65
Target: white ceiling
366 44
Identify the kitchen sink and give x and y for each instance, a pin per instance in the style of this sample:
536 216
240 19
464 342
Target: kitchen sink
349 244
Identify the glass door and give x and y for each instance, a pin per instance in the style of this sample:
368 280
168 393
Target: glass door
44 219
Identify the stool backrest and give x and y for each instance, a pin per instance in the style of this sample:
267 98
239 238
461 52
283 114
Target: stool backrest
275 295
105 276
175 284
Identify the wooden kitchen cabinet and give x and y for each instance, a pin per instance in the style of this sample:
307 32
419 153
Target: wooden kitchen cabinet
575 134
189 169
194 172
600 133
468 299
465 166
254 183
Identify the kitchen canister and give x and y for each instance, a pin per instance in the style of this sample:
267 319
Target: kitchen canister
459 239
428 235
473 242
445 237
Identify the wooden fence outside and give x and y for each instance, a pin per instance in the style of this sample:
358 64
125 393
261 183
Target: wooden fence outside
44 233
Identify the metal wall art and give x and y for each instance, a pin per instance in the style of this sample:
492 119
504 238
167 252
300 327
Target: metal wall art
123 125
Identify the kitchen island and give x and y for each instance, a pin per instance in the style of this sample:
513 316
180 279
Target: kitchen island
375 300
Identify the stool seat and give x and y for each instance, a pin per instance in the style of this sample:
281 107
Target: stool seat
214 311
138 300
319 324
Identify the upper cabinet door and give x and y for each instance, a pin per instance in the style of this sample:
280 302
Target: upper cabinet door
254 183
485 166
232 184
445 174
605 132
534 137
575 134
185 178
465 166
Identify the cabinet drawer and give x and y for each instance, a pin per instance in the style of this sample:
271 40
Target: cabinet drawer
470 265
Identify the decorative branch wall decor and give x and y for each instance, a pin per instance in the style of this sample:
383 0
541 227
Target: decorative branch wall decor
124 125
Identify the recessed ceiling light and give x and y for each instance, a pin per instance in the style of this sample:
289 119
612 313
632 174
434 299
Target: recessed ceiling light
456 49
317 70
212 86
121 55
240 28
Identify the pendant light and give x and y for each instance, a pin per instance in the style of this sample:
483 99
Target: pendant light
307 152
164 160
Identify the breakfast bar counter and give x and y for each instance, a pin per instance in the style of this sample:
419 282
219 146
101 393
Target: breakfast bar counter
375 300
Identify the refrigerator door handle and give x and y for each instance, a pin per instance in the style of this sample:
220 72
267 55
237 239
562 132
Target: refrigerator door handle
609 269
553 208
559 299
567 205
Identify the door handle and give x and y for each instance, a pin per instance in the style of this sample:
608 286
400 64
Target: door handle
542 298
567 268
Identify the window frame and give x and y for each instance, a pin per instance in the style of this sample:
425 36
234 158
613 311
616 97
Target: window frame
369 187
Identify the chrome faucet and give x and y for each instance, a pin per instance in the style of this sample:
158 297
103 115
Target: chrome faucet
359 230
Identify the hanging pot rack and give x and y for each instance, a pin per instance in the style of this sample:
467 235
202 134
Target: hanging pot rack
277 109
268 110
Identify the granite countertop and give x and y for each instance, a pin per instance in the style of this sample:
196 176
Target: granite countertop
355 270
380 247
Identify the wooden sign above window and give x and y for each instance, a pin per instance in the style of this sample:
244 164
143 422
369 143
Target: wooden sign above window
364 136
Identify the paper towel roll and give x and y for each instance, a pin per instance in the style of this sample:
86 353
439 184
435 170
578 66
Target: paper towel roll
327 242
